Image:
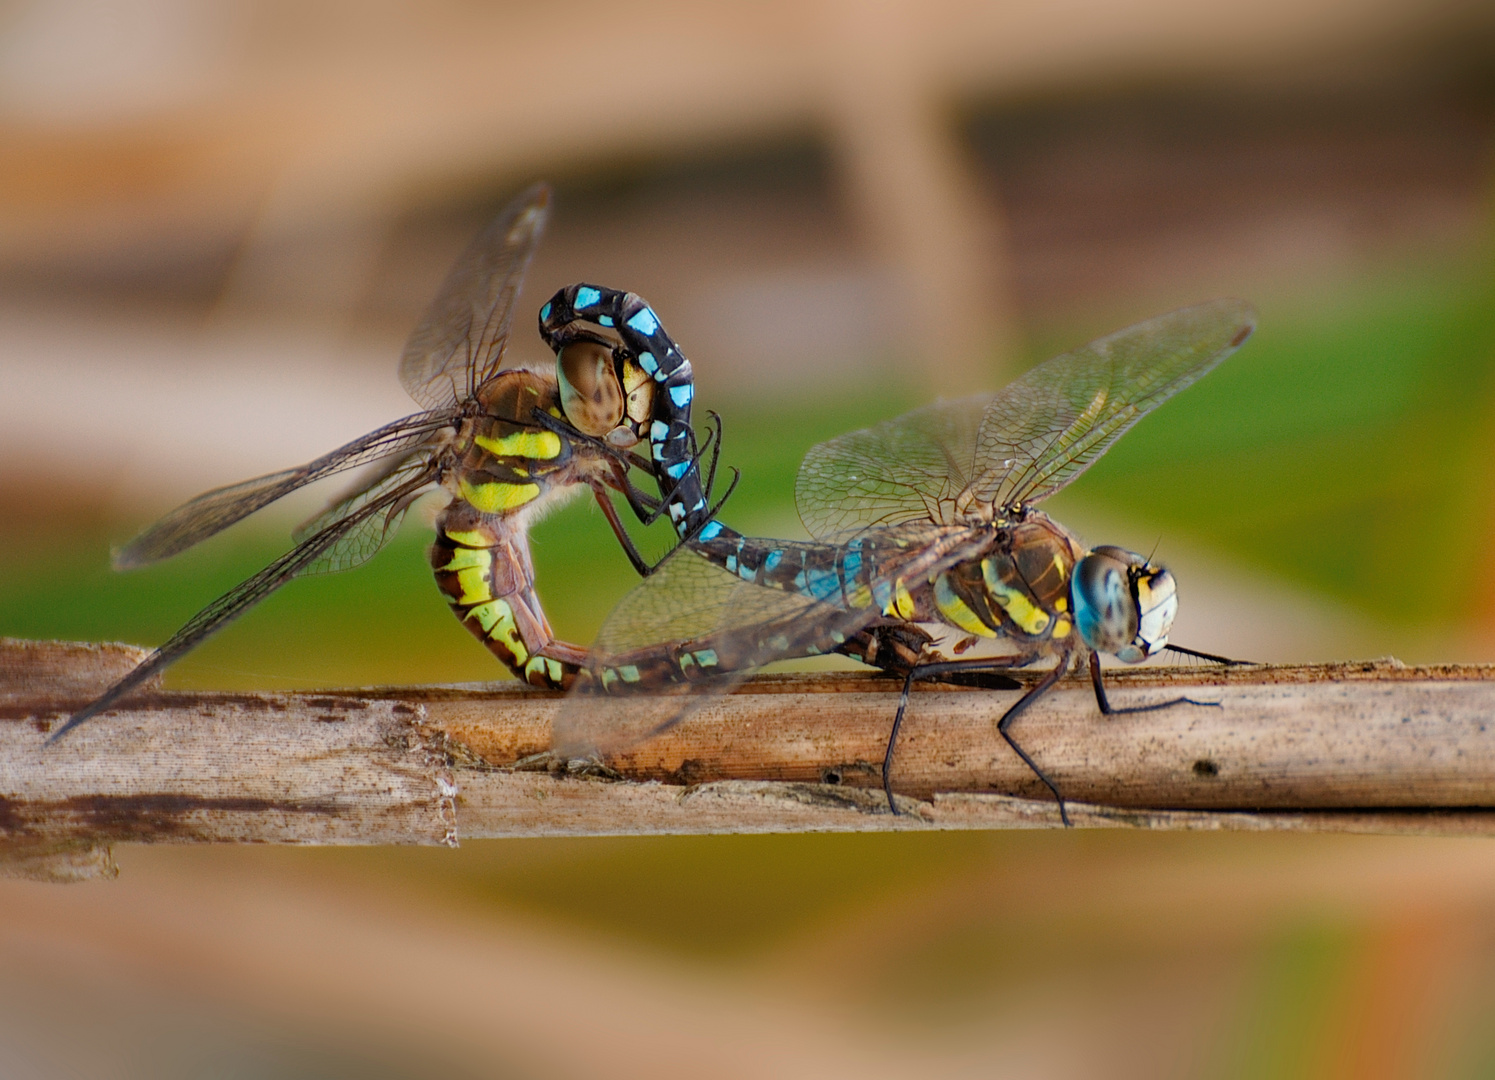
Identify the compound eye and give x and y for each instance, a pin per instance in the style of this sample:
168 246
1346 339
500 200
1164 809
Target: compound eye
590 395
1105 613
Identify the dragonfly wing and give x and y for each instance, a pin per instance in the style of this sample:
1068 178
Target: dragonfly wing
1043 430
909 468
689 605
694 631
301 559
210 513
460 342
391 494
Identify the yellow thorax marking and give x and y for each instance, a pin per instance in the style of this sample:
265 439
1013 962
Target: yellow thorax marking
957 610
526 444
494 496
903 603
1030 619
1061 628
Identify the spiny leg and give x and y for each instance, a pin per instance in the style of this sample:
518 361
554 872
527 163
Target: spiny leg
1011 714
973 673
1109 710
609 511
1206 656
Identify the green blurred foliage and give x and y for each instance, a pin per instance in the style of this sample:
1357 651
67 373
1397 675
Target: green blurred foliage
1346 448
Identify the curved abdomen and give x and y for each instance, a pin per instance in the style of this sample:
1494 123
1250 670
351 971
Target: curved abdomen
486 574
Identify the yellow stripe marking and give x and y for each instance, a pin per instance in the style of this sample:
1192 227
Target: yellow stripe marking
497 620
496 496
1061 628
542 670
474 582
859 597
462 558
957 610
1030 619
527 444
472 538
903 603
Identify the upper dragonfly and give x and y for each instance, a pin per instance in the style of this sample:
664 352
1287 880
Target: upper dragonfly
928 546
491 438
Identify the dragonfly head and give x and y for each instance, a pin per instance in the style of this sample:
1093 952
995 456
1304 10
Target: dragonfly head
1123 604
600 399
591 396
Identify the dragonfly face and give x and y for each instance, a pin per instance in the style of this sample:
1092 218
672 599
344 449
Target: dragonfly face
1124 605
603 395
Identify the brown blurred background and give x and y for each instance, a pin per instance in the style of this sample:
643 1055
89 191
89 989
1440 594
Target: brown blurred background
219 219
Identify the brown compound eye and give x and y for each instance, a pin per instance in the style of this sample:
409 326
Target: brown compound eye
590 395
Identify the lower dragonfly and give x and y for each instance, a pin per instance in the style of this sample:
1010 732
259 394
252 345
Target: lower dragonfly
491 439
928 545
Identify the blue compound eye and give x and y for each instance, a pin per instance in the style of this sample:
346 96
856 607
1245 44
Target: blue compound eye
1105 613
590 395
1123 604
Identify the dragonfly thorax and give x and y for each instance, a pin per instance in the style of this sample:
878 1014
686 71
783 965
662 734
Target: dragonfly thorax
1123 604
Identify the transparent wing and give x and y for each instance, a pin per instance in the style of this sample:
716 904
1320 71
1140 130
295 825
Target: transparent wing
409 480
1022 443
460 342
210 513
688 603
691 605
909 468
304 558
1043 430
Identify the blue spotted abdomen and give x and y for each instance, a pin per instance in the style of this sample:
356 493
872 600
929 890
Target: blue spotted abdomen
669 430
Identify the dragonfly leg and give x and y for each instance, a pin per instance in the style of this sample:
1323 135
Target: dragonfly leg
647 508
609 511
1205 656
713 440
689 479
980 673
1097 681
1011 714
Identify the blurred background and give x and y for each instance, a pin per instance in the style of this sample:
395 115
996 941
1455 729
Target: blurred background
218 220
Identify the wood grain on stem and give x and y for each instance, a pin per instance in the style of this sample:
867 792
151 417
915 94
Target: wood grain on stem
1374 746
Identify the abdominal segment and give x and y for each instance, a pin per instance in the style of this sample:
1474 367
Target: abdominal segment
486 574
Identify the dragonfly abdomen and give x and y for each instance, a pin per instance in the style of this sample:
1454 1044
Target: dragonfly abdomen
671 445
486 574
835 574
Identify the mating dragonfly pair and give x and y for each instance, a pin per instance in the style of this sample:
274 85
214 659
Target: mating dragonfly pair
927 543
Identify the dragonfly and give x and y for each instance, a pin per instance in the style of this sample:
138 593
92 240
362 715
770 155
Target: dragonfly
930 557
490 438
